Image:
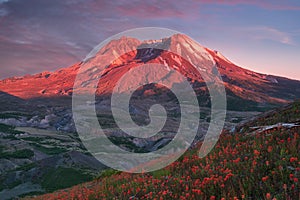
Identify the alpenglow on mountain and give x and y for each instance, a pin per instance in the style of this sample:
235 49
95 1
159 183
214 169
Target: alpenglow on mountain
245 89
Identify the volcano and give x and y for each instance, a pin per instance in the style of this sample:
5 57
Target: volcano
246 90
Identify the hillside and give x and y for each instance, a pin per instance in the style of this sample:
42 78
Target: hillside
264 165
288 116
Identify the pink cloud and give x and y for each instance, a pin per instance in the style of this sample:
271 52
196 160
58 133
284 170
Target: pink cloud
269 5
158 9
266 33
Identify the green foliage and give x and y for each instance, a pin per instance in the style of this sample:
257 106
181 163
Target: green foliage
49 151
33 139
106 121
15 115
63 177
9 129
262 166
24 153
26 167
1 148
108 173
10 185
31 194
287 114
237 103
125 142
161 173
10 137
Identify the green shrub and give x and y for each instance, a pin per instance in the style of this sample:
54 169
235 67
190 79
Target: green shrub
24 153
63 177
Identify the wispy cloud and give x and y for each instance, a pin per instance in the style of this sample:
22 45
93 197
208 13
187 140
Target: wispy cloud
151 10
3 1
37 35
3 12
267 33
269 5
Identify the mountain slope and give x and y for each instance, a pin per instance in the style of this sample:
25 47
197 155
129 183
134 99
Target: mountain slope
258 90
264 165
286 116
44 84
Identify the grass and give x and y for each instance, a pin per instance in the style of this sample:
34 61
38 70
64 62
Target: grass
10 137
26 167
9 129
264 166
106 121
161 173
108 173
24 153
121 141
15 115
10 185
287 114
49 151
2 148
63 177
33 139
31 194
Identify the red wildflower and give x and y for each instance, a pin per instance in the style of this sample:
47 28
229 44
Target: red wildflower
264 179
256 152
237 160
270 148
284 186
293 159
186 188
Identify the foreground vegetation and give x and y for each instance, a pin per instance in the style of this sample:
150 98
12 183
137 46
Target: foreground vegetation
241 166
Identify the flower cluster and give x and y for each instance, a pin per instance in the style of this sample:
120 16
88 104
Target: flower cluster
241 166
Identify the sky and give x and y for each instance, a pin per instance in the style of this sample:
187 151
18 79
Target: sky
45 35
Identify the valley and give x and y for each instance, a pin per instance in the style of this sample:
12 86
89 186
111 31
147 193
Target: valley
41 151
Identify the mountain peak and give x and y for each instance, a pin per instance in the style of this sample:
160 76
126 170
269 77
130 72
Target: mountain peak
120 55
123 44
180 37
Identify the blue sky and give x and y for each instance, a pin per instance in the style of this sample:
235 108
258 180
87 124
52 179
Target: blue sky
37 35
